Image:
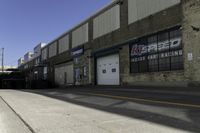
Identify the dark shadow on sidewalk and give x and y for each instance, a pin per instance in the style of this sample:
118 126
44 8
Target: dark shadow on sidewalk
191 125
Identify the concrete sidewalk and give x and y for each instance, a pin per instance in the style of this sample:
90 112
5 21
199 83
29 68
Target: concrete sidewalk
57 112
9 121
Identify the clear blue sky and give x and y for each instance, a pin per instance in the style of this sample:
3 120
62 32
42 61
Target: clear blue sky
25 23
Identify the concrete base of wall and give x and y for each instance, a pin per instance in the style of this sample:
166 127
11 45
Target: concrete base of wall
166 84
161 84
194 84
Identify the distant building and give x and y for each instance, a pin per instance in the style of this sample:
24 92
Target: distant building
37 50
6 68
20 61
28 56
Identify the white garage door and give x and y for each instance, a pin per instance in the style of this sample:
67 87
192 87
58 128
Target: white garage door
64 74
108 70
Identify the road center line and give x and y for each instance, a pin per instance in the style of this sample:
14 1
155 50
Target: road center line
143 100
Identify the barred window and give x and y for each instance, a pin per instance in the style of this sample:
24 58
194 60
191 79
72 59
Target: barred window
153 63
164 64
134 67
159 52
177 61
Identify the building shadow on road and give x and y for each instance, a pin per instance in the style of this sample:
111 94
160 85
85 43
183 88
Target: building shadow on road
187 119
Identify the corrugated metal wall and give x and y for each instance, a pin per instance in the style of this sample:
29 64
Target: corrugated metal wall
139 9
107 22
63 44
44 54
64 74
80 35
53 49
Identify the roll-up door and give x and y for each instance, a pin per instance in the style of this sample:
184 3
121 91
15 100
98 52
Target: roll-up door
108 70
64 74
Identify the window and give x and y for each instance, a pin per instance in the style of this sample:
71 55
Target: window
77 75
139 56
37 61
36 75
85 71
153 63
114 70
153 56
134 67
158 52
45 73
76 60
176 50
164 63
177 61
143 55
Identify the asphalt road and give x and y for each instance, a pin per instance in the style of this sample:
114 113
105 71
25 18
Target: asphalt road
182 98
80 110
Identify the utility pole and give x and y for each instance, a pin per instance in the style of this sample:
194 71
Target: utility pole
2 60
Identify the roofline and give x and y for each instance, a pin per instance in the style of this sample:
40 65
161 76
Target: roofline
112 3
40 44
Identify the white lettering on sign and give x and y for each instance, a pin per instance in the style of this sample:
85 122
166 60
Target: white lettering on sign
162 55
138 59
152 48
174 43
171 54
77 52
162 46
140 49
152 57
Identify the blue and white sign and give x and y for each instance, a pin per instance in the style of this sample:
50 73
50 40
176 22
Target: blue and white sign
77 51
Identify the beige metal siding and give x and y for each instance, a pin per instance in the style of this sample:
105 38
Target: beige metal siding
139 9
80 36
64 44
107 22
64 74
52 49
44 54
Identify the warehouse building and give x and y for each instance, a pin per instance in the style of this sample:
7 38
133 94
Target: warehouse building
20 61
129 42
